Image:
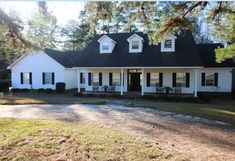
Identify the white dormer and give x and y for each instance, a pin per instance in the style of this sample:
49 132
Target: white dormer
106 44
168 45
135 43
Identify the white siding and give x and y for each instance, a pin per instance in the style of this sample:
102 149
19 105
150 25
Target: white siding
36 63
224 80
71 79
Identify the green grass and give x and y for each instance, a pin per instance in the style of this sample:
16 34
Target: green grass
48 140
222 112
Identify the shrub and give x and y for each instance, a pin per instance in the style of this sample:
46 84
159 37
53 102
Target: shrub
78 94
41 90
204 97
60 87
48 90
1 94
15 90
4 87
24 90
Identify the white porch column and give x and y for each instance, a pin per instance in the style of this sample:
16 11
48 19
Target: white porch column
143 82
121 83
195 82
79 87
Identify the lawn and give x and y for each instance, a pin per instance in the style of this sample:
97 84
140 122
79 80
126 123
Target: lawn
216 110
60 140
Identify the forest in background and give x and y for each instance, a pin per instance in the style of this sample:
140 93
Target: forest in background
209 22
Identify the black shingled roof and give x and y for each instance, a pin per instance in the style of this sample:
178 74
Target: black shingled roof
68 59
186 54
207 53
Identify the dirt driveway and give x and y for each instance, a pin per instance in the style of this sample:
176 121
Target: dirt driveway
189 138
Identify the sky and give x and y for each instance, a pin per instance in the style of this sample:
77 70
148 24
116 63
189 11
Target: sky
63 10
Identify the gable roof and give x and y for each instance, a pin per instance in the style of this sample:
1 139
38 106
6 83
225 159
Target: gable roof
99 40
129 38
68 58
207 53
185 53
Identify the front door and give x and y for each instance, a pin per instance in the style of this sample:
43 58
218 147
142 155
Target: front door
135 82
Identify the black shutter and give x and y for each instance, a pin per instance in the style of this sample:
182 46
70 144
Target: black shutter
53 78
174 80
89 79
216 79
81 77
30 78
100 79
148 80
187 79
21 78
110 79
160 79
43 78
203 79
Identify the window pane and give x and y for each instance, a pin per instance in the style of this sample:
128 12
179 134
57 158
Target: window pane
180 80
105 46
26 78
48 78
168 44
209 80
135 44
154 79
116 79
95 79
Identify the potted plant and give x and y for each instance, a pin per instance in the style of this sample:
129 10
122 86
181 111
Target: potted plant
168 89
105 87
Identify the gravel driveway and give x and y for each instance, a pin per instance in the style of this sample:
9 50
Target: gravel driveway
190 138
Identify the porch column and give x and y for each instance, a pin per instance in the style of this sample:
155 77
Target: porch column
195 82
79 87
121 83
143 82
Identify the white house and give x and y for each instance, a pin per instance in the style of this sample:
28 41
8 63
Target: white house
126 62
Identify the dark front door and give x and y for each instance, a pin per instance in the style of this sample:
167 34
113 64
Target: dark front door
135 82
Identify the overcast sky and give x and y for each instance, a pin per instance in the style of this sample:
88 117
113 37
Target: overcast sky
63 10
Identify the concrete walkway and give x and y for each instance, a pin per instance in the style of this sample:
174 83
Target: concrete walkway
191 138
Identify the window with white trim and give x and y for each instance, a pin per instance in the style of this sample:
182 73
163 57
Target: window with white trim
105 46
48 78
116 79
154 79
95 78
209 79
26 78
168 44
180 79
135 45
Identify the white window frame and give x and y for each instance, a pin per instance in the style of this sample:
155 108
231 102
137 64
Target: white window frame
166 49
26 77
105 44
154 79
133 44
48 78
95 76
116 80
206 79
180 76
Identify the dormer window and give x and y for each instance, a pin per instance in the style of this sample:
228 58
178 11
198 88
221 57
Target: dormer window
105 46
168 45
135 45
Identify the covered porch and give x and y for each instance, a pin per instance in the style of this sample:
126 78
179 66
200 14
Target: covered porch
138 81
